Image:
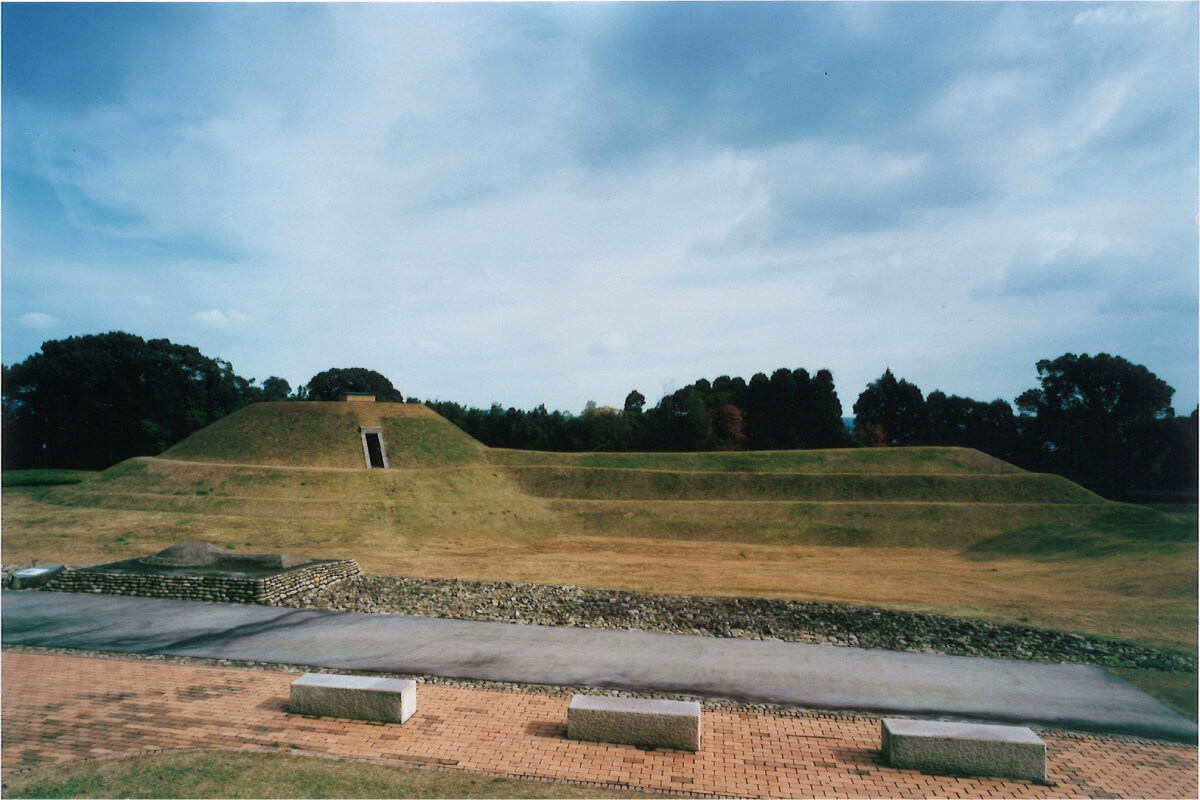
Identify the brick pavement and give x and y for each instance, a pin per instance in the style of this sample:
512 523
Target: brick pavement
59 708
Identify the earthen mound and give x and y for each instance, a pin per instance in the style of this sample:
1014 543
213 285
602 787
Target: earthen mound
276 560
188 554
203 554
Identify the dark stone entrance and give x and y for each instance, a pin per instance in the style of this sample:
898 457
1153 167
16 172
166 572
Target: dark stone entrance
373 449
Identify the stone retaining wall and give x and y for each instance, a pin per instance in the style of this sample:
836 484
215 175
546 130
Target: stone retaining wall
266 590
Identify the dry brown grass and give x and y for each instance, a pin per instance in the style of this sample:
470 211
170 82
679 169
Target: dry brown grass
1148 598
1147 603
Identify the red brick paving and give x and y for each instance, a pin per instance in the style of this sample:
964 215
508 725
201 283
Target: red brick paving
59 708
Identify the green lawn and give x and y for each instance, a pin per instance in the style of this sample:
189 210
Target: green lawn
207 773
870 461
45 477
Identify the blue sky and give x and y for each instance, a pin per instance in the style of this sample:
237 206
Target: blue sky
561 202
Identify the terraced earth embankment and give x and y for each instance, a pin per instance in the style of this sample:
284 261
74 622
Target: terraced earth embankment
943 530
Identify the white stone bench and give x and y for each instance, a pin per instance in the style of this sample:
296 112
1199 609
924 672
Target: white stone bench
999 751
354 697
33 577
672 724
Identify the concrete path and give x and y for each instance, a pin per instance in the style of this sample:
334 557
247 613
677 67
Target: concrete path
1071 697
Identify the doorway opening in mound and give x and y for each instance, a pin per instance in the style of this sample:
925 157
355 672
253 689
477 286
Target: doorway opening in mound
373 450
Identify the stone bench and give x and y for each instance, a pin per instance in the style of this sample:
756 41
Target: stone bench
999 751
672 724
354 697
33 577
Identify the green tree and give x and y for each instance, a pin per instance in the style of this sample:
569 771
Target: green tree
331 383
783 409
1099 421
757 417
825 426
889 412
274 389
962 422
87 402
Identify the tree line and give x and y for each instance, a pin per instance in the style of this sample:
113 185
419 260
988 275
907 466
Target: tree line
1101 421
88 402
788 411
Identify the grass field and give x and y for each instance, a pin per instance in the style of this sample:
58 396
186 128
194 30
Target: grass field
232 774
946 530
45 477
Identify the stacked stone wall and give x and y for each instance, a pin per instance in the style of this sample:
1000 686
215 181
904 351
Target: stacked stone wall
265 590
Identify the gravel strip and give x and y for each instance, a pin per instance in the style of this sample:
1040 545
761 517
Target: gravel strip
748 618
745 618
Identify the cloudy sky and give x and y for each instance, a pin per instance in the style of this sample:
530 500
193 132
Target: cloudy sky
560 202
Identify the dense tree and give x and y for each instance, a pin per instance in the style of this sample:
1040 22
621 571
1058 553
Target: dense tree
727 391
1180 460
87 402
824 428
274 389
635 402
962 422
727 431
786 411
1099 421
757 419
331 383
783 410
701 416
604 428
889 412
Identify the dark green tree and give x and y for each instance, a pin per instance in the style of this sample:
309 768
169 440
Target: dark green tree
783 409
757 416
962 422
728 391
635 401
825 428
274 389
87 402
1099 421
889 412
1181 460
331 383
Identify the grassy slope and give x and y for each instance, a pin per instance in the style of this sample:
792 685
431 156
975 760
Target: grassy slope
596 483
930 528
905 460
326 435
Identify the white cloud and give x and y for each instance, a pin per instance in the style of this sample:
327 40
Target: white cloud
36 320
611 344
406 187
216 318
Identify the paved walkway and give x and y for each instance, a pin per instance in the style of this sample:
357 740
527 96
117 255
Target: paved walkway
59 708
1067 696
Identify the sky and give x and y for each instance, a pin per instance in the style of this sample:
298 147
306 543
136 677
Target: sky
557 203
